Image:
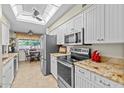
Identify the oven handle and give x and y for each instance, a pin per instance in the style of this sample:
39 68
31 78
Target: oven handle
66 64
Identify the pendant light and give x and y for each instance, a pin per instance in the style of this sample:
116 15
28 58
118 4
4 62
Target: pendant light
30 32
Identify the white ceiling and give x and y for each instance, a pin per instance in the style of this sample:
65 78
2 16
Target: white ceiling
20 26
28 7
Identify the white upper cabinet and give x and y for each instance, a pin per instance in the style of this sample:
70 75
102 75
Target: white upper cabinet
60 34
78 22
0 11
5 34
114 23
69 27
4 28
58 31
94 24
104 24
75 24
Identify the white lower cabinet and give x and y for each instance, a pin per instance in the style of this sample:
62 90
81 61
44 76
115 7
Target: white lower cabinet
83 78
54 66
87 79
8 74
104 82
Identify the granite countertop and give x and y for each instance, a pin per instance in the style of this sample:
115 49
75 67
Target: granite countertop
59 54
7 57
110 68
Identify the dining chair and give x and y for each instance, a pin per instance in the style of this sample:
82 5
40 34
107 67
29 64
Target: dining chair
28 56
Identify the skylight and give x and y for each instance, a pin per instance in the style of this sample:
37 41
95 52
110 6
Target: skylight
25 16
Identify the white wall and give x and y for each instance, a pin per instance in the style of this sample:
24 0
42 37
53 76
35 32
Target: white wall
112 50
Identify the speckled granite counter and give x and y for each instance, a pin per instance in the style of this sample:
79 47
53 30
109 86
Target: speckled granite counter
59 54
110 68
7 57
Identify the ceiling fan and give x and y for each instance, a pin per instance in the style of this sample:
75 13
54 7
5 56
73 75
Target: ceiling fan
35 14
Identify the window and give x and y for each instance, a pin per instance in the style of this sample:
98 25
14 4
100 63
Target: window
29 44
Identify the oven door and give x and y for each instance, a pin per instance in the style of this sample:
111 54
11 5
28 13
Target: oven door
65 74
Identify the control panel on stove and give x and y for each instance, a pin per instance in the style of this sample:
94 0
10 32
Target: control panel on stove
85 51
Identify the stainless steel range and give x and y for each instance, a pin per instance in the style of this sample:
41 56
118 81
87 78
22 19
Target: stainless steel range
65 66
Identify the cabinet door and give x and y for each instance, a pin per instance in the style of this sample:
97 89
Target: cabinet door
8 74
82 78
94 24
0 12
62 33
78 22
5 34
58 35
54 66
114 21
81 82
69 27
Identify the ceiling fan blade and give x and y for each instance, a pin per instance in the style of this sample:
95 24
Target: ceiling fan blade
39 19
26 13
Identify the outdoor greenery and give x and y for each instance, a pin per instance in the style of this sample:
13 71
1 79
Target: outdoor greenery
29 42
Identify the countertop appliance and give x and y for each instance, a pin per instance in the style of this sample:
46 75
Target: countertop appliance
48 45
65 66
62 49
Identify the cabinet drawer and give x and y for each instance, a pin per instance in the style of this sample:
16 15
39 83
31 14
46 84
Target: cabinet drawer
104 82
99 80
82 72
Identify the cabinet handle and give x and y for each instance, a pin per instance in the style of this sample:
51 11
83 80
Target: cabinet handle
98 39
102 39
72 29
81 71
104 83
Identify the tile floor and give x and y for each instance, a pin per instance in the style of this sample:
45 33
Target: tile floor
29 76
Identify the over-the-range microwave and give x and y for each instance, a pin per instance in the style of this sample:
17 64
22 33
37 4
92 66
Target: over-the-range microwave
74 38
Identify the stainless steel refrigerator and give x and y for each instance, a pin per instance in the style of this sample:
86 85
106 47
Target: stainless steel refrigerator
48 45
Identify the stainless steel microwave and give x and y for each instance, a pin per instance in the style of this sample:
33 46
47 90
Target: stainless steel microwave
74 38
